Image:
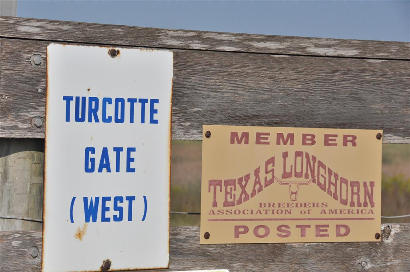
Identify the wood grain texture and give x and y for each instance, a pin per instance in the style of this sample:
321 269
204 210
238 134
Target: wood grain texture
21 183
18 248
39 29
237 89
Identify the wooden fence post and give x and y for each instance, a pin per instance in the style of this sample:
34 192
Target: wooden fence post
21 183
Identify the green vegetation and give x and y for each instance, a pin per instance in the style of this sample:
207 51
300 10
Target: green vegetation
396 181
186 197
396 153
395 197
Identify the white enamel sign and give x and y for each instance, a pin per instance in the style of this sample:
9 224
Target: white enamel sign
106 202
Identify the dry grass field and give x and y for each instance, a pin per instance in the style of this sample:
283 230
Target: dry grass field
186 181
396 181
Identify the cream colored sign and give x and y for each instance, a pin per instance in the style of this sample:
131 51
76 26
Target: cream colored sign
280 185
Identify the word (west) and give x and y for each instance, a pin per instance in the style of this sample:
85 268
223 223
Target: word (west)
108 208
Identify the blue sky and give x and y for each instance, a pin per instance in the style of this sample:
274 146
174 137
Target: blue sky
366 20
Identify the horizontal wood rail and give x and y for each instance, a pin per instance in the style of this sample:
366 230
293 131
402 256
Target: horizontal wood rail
120 35
222 78
20 251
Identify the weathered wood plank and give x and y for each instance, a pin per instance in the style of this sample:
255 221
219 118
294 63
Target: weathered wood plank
21 251
21 183
39 29
237 89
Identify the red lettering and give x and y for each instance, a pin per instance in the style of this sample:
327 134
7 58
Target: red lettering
299 173
241 229
262 138
242 182
355 191
331 184
283 231
265 229
270 170
310 165
235 137
321 185
368 194
308 139
303 229
344 182
230 186
349 139
321 230
342 230
285 173
330 139
214 183
257 183
290 138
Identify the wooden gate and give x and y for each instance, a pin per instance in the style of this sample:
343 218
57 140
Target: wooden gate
219 78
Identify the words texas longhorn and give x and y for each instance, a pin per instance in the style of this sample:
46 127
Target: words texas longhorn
297 168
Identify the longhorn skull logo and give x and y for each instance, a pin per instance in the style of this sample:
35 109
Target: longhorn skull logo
294 187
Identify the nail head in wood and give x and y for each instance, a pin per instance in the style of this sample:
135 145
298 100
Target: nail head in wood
386 232
36 60
208 134
34 252
379 136
37 122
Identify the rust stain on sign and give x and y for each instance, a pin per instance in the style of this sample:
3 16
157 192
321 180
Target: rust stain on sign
81 232
279 185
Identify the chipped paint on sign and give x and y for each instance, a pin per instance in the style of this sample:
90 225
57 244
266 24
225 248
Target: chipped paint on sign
107 170
282 185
